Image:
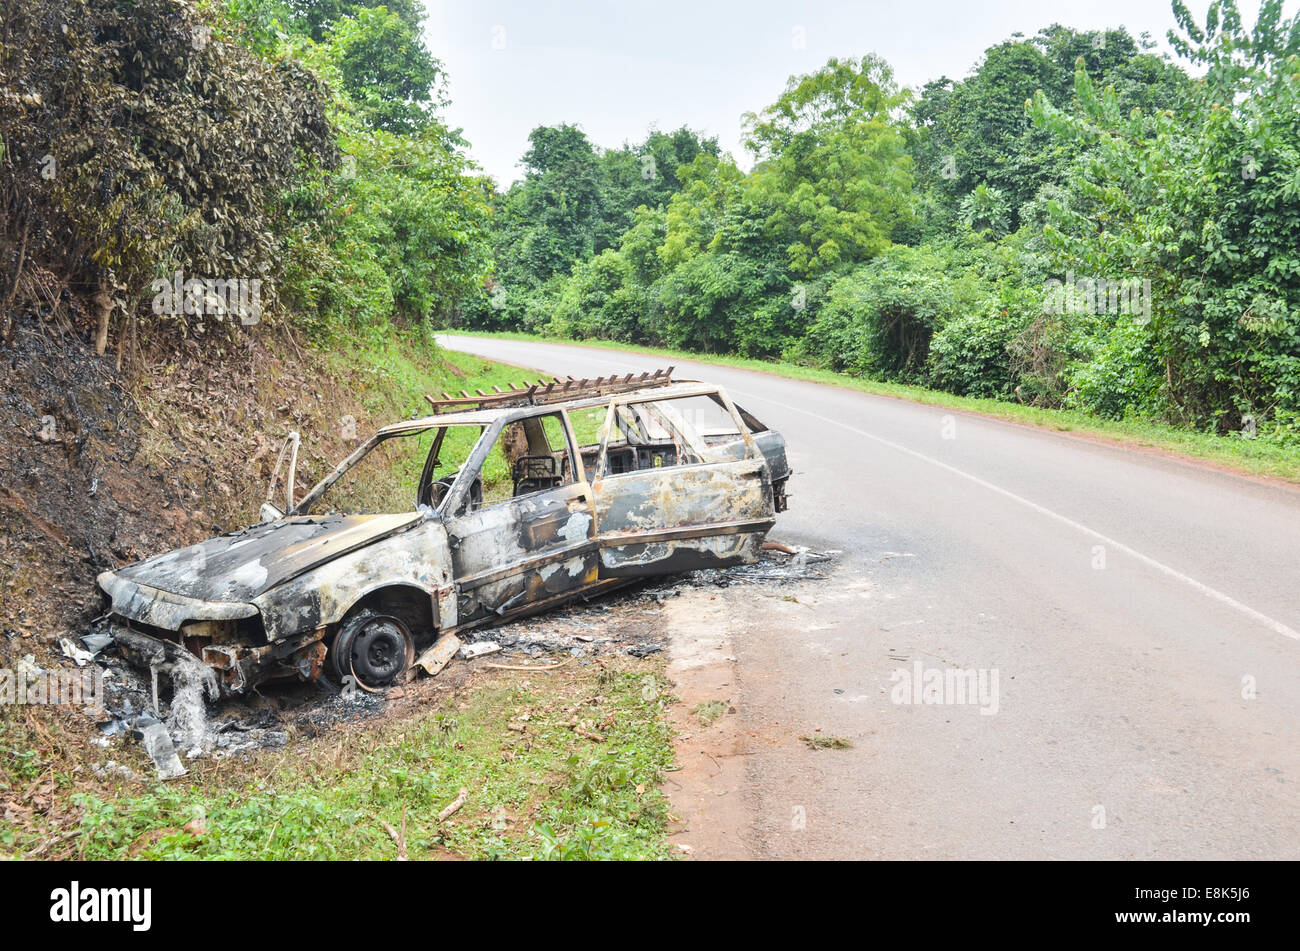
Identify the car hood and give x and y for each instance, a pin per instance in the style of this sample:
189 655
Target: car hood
243 565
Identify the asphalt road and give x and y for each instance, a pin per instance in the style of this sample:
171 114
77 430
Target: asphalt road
1141 616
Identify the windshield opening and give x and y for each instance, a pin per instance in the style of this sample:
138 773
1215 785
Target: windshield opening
406 471
382 482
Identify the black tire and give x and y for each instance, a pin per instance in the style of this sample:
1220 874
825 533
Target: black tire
376 650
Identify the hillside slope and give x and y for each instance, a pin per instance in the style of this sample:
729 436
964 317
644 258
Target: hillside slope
97 471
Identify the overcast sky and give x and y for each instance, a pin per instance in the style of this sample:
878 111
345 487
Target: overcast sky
618 67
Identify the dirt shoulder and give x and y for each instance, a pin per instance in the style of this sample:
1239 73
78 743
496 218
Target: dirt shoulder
713 790
707 788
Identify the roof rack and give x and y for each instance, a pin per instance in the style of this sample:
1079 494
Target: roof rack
542 392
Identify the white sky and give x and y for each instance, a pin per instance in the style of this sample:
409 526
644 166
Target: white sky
618 67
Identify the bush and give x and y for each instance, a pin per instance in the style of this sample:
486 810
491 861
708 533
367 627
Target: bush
139 140
879 319
968 355
1121 378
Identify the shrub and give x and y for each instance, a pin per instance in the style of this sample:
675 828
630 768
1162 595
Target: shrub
139 140
879 319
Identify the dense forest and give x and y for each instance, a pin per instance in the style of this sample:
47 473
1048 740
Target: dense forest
1078 222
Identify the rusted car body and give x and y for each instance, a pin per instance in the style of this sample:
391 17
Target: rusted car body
672 477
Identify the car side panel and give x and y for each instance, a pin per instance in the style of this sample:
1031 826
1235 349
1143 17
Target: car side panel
680 518
527 549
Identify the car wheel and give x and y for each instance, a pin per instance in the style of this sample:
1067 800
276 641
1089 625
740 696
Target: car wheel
374 649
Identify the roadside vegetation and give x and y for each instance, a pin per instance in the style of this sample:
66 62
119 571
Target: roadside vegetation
534 787
152 156
296 144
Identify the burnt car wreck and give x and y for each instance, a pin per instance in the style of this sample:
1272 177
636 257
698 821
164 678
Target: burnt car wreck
525 498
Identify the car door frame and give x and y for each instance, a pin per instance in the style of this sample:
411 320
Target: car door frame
524 553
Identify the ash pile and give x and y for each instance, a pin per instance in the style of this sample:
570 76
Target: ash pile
174 710
627 621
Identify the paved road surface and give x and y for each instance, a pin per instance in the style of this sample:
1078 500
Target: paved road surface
1141 616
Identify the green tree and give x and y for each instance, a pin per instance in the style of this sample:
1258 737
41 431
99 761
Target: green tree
1204 204
832 160
167 153
644 174
316 18
385 69
977 131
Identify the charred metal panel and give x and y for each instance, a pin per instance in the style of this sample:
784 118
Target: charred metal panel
242 565
772 445
657 558
526 549
158 608
649 520
295 614
417 557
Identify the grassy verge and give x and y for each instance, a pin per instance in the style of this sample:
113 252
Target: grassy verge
539 790
1258 457
391 379
390 382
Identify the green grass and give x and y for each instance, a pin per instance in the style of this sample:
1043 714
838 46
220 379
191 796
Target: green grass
709 711
544 793
395 375
1259 457
391 379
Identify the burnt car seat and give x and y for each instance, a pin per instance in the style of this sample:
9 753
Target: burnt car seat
534 473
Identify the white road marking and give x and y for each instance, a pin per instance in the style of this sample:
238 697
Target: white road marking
1174 573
